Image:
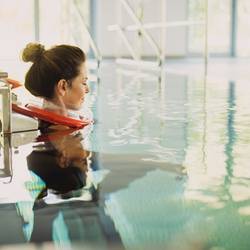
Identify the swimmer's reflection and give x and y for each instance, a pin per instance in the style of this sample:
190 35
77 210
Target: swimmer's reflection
62 164
64 167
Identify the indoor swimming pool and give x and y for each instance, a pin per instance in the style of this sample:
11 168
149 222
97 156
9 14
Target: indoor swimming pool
164 166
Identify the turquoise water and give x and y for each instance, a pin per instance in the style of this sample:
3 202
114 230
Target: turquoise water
185 141
168 169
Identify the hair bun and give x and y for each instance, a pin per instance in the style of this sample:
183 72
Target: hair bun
32 52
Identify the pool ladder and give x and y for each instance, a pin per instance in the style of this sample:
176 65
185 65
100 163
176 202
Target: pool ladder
5 104
5 119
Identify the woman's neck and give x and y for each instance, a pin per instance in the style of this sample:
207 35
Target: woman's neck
55 105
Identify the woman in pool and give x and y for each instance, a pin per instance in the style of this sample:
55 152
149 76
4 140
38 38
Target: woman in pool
58 75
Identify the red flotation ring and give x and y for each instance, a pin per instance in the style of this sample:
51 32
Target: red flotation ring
14 83
48 116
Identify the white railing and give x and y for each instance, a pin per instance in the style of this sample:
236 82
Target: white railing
143 28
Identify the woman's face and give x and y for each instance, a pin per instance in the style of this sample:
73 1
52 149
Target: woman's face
74 95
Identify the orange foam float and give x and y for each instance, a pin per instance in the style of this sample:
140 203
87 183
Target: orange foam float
45 115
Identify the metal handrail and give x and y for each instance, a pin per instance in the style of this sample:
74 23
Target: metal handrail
5 113
5 146
3 75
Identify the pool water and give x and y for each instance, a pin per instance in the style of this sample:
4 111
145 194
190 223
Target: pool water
165 166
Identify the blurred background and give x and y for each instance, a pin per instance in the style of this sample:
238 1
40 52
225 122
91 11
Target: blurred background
172 127
107 29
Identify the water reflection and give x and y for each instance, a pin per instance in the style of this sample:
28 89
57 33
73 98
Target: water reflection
61 202
195 123
153 118
62 163
178 158
61 170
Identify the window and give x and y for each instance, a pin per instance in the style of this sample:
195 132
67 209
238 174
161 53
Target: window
63 22
17 19
243 24
219 26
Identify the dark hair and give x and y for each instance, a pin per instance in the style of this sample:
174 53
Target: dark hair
45 165
49 66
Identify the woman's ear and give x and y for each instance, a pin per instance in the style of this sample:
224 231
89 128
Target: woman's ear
61 87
